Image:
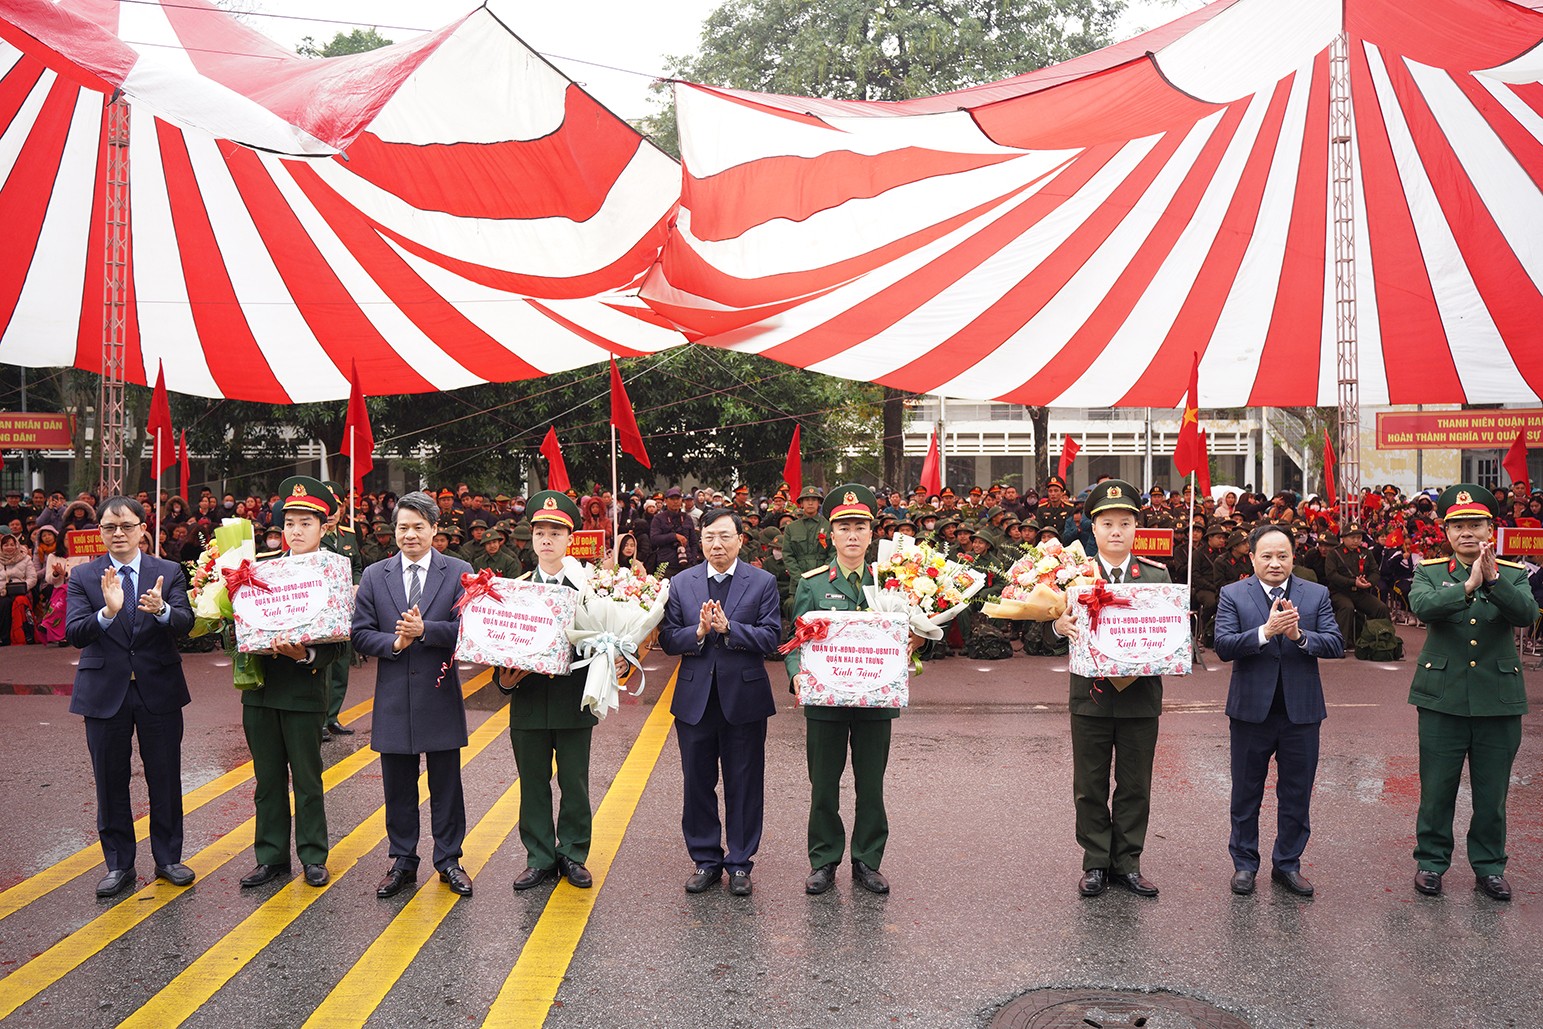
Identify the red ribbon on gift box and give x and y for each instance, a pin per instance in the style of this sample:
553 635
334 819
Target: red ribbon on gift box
478 585
243 575
1099 598
806 631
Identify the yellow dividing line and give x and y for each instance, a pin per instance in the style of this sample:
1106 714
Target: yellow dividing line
527 994
88 858
181 998
57 961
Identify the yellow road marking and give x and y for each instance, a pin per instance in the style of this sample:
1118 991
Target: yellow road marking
215 967
527 994
88 858
69 953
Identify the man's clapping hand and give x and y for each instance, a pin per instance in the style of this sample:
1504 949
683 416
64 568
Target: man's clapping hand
1284 620
408 628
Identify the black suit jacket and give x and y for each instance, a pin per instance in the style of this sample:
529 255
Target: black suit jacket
1242 609
110 657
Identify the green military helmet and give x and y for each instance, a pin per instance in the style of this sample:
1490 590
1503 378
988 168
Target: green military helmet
311 496
379 527
493 534
907 526
853 500
1236 537
1465 500
477 523
520 532
811 493
1112 495
943 523
1215 529
554 508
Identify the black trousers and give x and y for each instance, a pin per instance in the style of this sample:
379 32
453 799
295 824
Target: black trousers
1295 749
447 807
110 743
740 751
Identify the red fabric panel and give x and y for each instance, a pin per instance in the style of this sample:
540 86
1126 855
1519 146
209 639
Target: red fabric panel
75 47
92 327
25 197
15 87
1458 35
586 334
1522 144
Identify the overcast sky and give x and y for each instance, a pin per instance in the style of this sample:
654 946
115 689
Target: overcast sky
620 33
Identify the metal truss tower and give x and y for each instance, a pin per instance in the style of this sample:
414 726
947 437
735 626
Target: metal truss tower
1347 352
110 409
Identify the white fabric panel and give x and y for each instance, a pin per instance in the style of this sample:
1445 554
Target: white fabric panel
1372 386
1250 47
623 329
16 133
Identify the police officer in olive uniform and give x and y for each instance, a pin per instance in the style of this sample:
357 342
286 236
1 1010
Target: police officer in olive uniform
1208 578
1236 564
1111 726
282 718
340 539
547 723
802 546
1057 506
1468 689
831 730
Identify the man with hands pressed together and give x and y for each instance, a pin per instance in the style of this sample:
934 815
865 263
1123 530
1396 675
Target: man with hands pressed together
1468 689
125 611
404 614
1274 627
723 617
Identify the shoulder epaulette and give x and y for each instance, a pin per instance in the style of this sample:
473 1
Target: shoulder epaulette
811 573
522 578
348 529
269 553
1510 564
1435 560
1149 561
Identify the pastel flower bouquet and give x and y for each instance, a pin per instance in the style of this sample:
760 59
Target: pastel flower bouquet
1037 582
233 550
618 609
914 578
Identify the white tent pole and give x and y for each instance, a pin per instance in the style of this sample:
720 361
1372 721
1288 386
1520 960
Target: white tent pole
615 493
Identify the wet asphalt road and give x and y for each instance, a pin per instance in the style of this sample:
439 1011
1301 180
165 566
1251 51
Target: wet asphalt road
981 857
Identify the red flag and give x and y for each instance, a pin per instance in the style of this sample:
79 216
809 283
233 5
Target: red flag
1186 452
556 470
162 441
932 480
1515 462
1329 495
627 433
1203 469
793 468
1069 450
358 437
183 465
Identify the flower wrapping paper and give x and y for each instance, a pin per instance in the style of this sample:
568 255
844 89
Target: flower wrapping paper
312 601
527 629
864 661
1150 637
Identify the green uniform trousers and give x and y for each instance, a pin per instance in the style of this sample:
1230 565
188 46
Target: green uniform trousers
337 684
534 751
1113 835
285 745
1489 746
827 745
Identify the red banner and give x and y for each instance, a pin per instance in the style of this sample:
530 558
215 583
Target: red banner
587 544
1519 542
1457 430
1153 543
84 543
34 431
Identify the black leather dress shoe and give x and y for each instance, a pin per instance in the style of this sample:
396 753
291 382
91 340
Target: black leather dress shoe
262 874
459 881
869 878
316 875
1243 882
1427 882
115 882
739 884
338 729
1293 881
702 878
1137 883
395 881
821 879
177 874
577 874
1493 886
326 737
533 877
1094 881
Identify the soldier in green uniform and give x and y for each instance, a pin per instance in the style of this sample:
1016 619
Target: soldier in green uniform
380 546
495 557
1468 689
340 539
282 719
477 528
548 723
1111 726
831 730
806 541
519 547
1053 511
742 505
1354 582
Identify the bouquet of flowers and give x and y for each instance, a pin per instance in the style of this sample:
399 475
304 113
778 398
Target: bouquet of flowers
913 578
1037 582
233 550
618 609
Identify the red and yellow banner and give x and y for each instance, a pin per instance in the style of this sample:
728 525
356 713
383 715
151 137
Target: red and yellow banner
1519 542
587 544
1153 543
1457 430
34 430
84 543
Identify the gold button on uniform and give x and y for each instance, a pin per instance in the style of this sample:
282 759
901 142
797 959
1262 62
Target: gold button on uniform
1473 621
1473 643
1427 664
1473 664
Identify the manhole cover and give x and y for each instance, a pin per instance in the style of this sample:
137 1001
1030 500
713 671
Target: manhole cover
1111 1009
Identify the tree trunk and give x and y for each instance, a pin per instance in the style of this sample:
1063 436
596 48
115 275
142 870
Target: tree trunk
894 439
1039 417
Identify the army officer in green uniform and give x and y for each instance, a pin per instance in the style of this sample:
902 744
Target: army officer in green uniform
283 718
806 540
547 722
1468 689
830 730
1111 725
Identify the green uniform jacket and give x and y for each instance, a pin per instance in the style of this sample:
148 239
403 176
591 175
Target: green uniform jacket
502 563
1142 698
1469 664
1342 567
343 541
801 547
826 589
291 686
550 701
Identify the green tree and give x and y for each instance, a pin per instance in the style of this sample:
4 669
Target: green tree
356 42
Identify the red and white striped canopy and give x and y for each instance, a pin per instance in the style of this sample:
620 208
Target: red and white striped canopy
1071 236
445 211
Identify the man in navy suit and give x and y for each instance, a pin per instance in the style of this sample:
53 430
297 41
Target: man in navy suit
404 614
723 617
1274 627
125 611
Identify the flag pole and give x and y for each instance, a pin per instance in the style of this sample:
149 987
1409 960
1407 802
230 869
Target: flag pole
155 495
1189 533
353 475
615 494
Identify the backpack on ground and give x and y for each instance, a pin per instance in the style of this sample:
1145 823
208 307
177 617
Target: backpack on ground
1379 641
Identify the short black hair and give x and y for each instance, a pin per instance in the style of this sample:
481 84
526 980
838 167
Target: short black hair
1261 531
715 513
128 504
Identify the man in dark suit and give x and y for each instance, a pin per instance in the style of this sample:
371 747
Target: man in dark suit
404 614
723 617
125 612
1274 627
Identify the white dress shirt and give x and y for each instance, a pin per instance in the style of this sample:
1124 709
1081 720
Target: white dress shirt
162 616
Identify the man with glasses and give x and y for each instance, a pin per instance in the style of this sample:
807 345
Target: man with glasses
125 611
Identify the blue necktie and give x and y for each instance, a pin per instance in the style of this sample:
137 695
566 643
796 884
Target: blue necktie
130 598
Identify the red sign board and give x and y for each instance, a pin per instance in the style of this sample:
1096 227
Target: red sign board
1519 542
84 543
1153 543
587 544
34 431
1457 430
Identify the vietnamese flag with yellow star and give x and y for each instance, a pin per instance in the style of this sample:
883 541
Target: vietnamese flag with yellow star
1187 452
